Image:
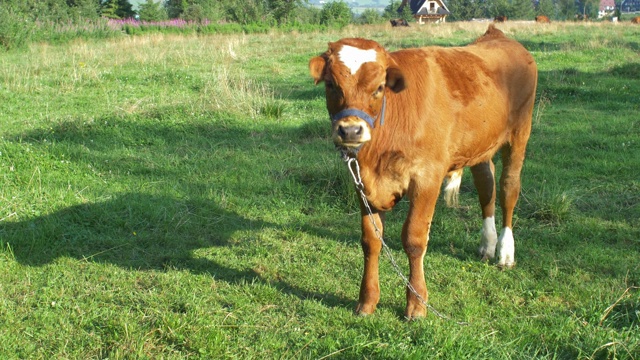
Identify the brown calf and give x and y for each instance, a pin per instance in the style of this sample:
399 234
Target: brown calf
543 19
635 20
444 109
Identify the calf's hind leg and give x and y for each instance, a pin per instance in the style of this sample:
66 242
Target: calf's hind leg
512 161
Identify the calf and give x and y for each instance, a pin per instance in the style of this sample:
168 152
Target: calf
415 116
543 19
398 22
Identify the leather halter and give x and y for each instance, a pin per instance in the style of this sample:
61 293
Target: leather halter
361 114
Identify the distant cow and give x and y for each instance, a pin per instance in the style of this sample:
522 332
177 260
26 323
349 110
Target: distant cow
398 22
500 18
543 19
635 20
412 118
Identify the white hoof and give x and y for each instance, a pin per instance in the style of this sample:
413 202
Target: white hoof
505 249
487 248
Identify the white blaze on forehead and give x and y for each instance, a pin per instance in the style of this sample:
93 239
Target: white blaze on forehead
353 58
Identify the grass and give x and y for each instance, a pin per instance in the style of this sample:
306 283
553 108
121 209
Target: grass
178 196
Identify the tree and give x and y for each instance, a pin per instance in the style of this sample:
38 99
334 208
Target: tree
546 7
336 13
567 9
522 9
307 15
152 11
588 7
283 9
110 10
52 10
117 9
198 10
466 9
175 8
500 8
193 12
84 9
370 16
393 11
247 12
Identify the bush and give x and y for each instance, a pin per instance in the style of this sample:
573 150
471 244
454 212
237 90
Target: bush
336 14
370 16
15 28
193 12
152 11
228 28
248 12
391 11
307 15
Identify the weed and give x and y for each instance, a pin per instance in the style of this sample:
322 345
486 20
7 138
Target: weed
553 206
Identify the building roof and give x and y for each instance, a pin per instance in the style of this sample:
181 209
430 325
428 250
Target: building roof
418 8
440 11
607 4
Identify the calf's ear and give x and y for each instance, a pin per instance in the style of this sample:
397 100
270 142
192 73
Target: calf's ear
395 79
316 68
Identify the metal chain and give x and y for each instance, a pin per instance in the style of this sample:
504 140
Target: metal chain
354 169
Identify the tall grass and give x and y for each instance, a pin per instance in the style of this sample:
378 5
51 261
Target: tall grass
16 31
178 196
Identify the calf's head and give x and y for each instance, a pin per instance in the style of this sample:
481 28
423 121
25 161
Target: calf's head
357 74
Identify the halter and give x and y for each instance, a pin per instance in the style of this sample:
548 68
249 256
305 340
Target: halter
361 114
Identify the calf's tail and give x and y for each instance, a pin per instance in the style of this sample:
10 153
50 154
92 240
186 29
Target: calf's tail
452 187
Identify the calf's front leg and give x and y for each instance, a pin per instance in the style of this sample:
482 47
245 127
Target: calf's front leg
415 236
371 246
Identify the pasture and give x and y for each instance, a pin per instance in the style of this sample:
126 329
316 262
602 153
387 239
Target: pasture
167 196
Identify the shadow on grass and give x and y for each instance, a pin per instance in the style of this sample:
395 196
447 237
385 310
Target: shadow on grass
132 231
144 232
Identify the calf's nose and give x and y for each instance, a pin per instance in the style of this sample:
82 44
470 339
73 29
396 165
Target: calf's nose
350 132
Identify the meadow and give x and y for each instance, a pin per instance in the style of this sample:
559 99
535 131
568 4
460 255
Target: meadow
167 196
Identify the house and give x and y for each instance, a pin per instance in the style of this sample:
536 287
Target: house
606 8
426 11
630 5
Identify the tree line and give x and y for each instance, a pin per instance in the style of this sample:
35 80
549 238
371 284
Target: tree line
524 9
279 12
246 11
24 21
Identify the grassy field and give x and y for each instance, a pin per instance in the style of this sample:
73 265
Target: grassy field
170 197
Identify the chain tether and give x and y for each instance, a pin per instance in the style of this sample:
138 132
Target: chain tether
354 169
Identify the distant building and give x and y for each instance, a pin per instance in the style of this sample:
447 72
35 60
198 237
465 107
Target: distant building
607 7
427 11
630 5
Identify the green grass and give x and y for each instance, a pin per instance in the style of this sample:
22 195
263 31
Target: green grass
166 196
